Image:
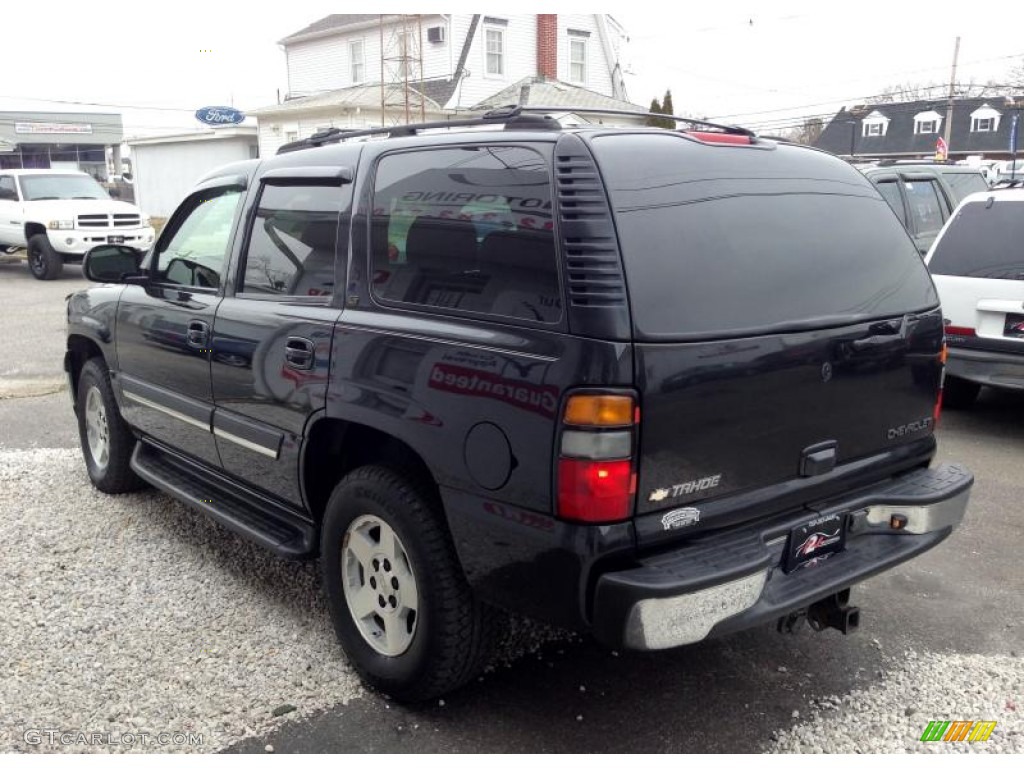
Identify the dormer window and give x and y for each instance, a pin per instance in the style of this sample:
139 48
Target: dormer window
984 120
927 122
875 124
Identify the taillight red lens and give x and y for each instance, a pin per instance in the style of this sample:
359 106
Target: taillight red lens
595 491
958 330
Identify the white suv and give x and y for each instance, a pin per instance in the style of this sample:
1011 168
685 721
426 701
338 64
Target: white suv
977 262
59 215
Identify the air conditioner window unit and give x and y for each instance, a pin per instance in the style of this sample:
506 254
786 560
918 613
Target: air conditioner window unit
435 34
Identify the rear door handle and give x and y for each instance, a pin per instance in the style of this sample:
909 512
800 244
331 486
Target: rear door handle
298 353
197 334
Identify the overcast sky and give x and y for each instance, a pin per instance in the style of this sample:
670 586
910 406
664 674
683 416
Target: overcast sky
759 63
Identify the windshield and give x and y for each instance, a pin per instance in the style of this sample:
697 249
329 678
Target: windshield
62 186
722 242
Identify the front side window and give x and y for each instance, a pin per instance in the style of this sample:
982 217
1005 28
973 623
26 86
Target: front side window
466 229
7 189
355 49
195 252
925 206
578 59
495 51
292 243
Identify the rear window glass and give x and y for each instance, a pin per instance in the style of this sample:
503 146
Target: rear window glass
467 229
964 184
725 242
983 240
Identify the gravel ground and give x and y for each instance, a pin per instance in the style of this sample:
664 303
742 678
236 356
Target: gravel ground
891 716
133 615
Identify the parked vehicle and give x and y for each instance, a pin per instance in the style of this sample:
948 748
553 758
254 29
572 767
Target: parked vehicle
651 385
59 215
977 264
923 196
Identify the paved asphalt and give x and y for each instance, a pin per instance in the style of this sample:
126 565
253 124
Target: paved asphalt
727 695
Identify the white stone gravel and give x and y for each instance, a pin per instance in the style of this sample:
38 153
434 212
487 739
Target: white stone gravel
890 716
131 615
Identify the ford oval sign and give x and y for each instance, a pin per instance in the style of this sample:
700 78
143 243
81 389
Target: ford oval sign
220 115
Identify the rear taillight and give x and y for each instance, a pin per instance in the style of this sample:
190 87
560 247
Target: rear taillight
596 471
957 330
937 412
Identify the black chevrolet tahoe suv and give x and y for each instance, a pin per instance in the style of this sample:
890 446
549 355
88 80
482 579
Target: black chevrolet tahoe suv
647 384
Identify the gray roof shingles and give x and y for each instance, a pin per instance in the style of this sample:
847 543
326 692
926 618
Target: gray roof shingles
900 137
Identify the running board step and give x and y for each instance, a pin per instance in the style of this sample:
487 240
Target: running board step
268 523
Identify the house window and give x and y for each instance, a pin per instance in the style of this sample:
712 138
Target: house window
926 126
356 57
872 129
495 51
578 59
983 125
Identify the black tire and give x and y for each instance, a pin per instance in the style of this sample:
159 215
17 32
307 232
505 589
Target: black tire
959 394
114 475
43 262
453 631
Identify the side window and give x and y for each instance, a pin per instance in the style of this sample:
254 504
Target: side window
466 228
7 189
925 206
195 253
891 192
292 245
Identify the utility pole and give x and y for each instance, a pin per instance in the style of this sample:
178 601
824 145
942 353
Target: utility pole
949 104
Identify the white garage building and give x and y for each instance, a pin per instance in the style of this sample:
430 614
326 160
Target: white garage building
167 167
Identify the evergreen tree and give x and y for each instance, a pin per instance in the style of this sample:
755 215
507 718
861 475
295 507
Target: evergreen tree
668 109
655 108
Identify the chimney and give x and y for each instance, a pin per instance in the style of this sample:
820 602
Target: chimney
547 45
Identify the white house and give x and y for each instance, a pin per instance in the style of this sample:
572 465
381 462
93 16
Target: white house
365 70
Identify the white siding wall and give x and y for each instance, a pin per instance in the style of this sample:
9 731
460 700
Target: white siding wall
305 125
520 58
164 173
598 77
325 64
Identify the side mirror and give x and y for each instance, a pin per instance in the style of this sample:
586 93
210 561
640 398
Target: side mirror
111 264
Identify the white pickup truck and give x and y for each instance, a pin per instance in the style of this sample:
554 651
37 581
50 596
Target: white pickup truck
58 215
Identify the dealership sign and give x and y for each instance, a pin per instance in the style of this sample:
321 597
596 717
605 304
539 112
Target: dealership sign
220 115
52 128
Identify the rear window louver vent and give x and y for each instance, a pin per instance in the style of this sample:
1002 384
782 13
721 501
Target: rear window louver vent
593 266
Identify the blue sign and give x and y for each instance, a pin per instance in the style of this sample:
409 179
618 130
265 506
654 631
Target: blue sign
1013 134
220 115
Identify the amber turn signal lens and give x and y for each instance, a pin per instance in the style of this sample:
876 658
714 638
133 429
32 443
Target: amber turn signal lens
599 410
944 354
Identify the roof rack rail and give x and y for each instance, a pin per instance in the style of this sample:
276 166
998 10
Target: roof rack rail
734 129
513 116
